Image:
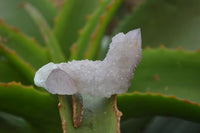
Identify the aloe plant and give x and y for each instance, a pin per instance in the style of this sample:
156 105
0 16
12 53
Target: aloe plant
166 83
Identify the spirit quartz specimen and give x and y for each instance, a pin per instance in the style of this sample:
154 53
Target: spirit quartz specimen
97 78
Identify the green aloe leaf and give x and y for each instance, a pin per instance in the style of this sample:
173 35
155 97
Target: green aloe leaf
50 41
95 44
12 14
6 69
37 108
170 72
10 124
170 22
168 84
25 47
92 33
145 104
24 68
135 125
70 21
171 125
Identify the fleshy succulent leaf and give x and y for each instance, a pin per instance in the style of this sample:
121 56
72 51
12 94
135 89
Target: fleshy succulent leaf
70 21
22 101
92 33
144 104
6 70
169 22
12 13
49 38
135 125
10 124
95 43
25 47
169 72
164 73
171 125
166 82
24 68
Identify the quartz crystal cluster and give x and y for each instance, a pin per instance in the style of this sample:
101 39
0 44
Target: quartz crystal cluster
97 78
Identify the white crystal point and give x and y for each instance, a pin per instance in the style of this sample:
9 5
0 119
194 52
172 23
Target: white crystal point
55 80
97 78
43 73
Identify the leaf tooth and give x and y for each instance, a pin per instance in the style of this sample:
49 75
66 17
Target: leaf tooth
172 96
136 92
1 21
156 77
100 1
21 5
180 48
187 101
162 46
73 49
110 5
159 94
8 84
94 35
62 4
14 83
33 39
102 18
80 32
16 30
148 93
2 47
55 20
196 104
184 100
3 40
147 47
88 17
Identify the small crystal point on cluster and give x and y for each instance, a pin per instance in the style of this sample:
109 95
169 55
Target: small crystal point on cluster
97 78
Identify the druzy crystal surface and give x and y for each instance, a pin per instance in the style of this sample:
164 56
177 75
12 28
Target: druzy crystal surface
97 78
